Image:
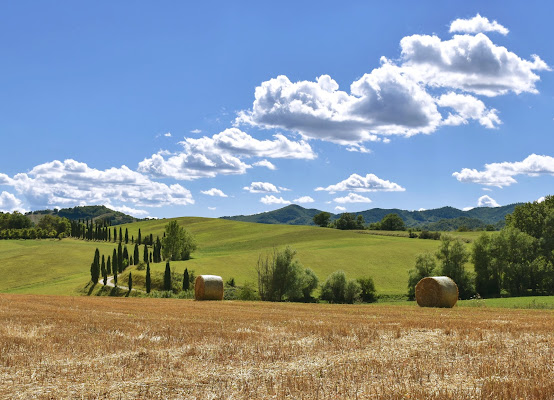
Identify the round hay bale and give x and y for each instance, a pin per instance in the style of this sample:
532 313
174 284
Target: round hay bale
208 287
436 291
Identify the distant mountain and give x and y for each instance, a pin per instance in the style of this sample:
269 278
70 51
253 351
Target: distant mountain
450 218
289 215
85 212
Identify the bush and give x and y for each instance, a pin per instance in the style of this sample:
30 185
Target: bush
352 292
334 288
281 277
247 292
368 293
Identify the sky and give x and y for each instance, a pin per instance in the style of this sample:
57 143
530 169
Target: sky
166 109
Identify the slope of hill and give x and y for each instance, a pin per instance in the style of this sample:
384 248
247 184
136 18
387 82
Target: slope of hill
225 248
85 212
297 215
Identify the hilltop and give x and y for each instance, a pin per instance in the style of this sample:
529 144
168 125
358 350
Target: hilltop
85 212
444 218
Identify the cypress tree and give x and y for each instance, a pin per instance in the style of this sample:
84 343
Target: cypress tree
103 266
104 272
130 284
151 239
136 254
167 277
115 277
109 234
119 258
145 253
150 256
120 235
125 253
114 262
126 236
148 282
114 235
139 239
131 261
186 279
95 267
109 266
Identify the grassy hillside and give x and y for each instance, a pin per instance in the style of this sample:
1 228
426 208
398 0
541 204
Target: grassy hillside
226 248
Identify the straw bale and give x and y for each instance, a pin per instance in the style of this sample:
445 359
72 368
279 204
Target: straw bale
208 287
436 291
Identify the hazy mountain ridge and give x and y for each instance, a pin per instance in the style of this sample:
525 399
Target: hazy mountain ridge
449 216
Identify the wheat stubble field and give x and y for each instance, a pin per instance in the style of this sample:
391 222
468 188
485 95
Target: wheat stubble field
132 348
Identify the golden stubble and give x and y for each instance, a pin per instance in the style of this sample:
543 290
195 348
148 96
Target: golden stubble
65 347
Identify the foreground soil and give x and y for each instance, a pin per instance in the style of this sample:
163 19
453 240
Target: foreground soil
131 348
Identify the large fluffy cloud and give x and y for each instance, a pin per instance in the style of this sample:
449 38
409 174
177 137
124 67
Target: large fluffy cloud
384 101
470 63
70 183
477 24
358 183
222 154
10 203
395 98
502 174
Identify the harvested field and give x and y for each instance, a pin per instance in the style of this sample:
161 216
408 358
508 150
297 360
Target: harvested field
128 348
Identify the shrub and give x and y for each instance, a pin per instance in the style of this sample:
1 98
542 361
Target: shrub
334 288
368 293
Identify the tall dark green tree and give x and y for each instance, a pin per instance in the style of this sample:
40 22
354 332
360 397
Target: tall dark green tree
114 235
120 235
109 266
115 266
126 236
167 277
115 277
120 258
130 282
145 253
186 283
148 279
136 254
95 267
139 239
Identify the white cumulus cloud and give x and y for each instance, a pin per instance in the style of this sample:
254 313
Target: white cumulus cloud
270 199
340 208
477 24
10 203
222 154
214 192
358 183
261 187
467 108
265 163
470 63
502 174
70 183
487 201
128 210
168 134
304 199
352 198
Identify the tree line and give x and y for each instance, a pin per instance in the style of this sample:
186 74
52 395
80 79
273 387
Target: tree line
18 226
517 261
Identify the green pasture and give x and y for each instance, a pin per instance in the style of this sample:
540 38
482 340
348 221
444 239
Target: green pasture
225 248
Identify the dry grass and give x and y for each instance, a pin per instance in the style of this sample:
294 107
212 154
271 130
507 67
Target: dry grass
64 347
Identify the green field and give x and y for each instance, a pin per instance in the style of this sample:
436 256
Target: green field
226 248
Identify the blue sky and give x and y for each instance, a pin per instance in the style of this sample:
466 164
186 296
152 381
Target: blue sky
217 108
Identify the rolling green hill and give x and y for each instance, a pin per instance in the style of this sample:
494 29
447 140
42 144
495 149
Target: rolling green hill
226 248
476 217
